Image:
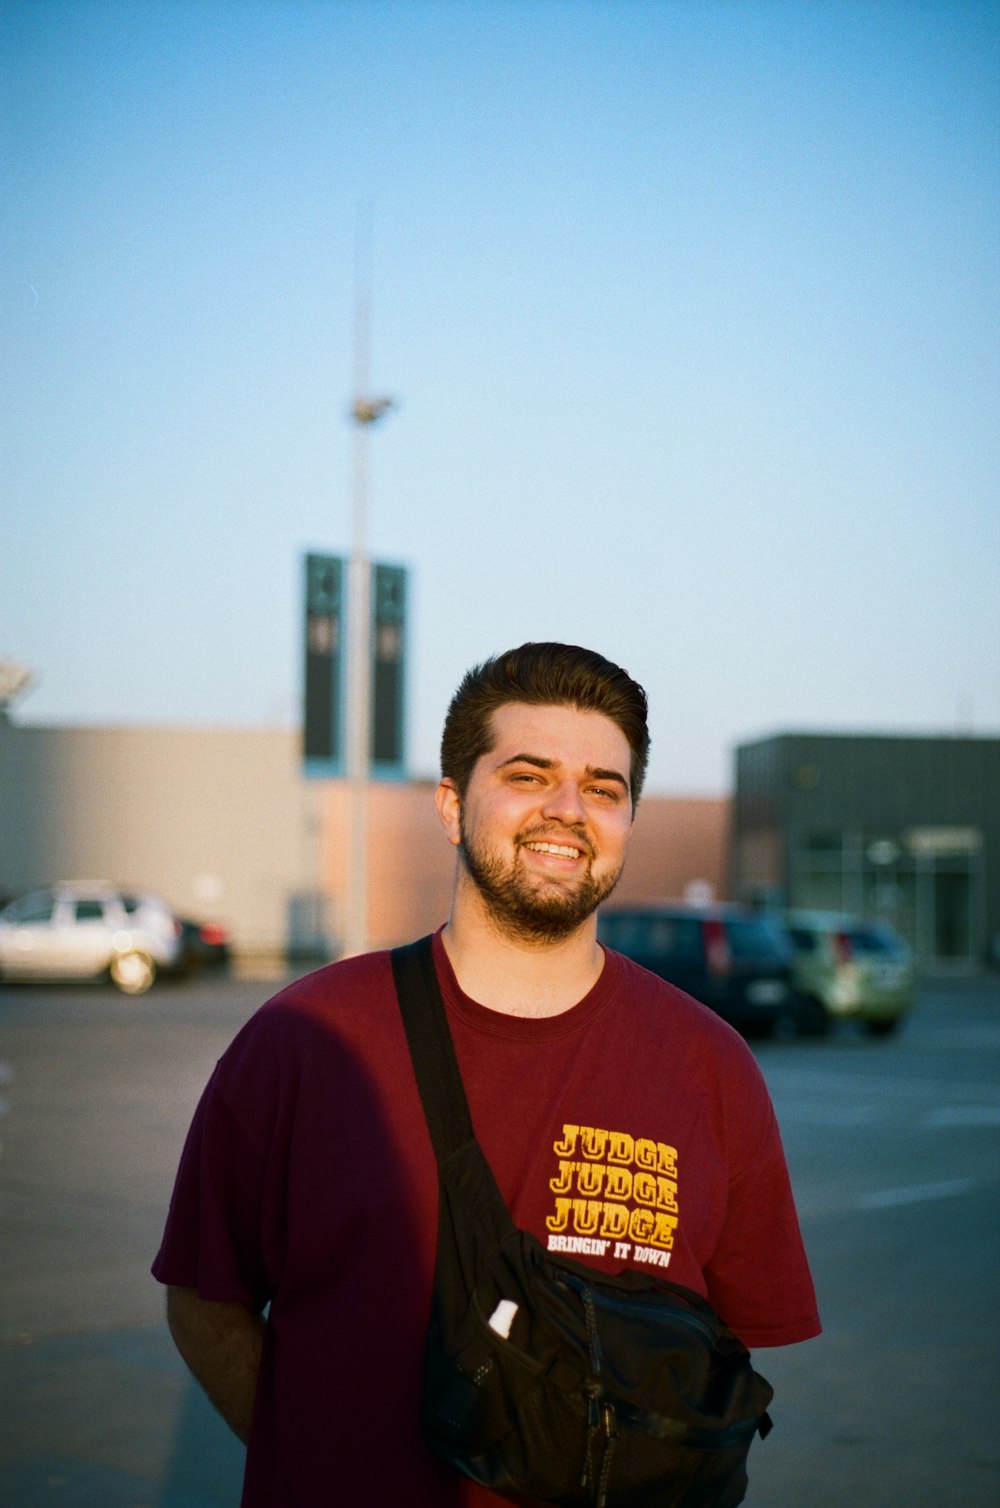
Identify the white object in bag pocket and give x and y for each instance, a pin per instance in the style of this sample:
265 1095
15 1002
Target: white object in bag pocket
503 1317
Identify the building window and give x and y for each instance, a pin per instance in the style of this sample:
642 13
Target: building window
928 883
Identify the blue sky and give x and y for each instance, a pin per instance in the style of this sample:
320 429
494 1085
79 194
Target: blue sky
690 309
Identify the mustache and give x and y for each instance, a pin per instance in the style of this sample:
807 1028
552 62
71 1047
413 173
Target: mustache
546 833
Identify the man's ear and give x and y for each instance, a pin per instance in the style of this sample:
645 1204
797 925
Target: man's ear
449 805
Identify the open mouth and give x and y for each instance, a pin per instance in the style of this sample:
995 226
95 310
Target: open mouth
558 850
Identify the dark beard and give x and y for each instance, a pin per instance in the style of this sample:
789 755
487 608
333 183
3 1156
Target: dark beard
521 911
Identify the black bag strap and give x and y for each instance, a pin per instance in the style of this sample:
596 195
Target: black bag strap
446 1107
431 1047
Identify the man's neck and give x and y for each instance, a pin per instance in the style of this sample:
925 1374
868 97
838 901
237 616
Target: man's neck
518 977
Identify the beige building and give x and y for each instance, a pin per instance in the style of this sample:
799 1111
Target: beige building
223 823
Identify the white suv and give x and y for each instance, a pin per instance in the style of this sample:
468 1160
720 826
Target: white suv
89 931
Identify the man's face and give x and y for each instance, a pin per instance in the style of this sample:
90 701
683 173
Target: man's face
546 817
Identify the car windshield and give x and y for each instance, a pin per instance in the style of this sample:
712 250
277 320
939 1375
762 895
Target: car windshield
875 940
652 936
36 907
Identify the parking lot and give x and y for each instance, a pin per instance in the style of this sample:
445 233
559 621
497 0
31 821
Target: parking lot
894 1147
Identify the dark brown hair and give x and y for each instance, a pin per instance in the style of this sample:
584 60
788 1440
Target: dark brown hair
556 674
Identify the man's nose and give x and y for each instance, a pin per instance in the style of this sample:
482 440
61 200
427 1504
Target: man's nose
564 803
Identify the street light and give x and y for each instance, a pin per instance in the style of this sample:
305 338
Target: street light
365 411
15 680
368 410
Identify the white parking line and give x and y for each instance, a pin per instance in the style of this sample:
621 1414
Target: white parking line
915 1193
812 1113
963 1115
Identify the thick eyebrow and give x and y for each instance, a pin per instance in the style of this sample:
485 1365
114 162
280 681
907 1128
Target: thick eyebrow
595 774
540 763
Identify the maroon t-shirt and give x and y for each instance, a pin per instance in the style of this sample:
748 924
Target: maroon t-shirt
634 1130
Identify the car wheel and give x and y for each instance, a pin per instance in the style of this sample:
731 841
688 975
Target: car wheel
882 1028
759 1031
133 973
812 1017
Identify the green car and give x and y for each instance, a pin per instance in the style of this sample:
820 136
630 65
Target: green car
846 968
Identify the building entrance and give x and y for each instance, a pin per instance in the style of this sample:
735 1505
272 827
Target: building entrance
927 882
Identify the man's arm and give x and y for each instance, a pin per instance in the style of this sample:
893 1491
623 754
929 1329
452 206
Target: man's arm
221 1343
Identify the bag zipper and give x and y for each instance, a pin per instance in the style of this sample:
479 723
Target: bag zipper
600 1410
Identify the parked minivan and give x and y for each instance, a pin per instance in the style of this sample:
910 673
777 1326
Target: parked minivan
735 960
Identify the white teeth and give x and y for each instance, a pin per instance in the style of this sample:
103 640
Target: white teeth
557 848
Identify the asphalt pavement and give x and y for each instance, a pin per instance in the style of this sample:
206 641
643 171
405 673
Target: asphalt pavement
894 1148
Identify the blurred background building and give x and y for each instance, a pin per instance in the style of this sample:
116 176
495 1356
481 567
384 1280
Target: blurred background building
906 829
227 827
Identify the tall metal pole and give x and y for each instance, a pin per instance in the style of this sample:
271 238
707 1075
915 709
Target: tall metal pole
365 412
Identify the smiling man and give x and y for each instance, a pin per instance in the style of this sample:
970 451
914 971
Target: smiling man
541 826
624 1122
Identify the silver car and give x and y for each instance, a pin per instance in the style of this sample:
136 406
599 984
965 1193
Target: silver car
89 931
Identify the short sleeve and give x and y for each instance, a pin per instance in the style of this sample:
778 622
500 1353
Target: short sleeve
215 1238
758 1275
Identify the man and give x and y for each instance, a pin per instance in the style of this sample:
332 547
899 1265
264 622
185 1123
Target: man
625 1123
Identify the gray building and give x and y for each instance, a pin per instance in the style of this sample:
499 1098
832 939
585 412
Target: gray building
226 826
905 828
218 820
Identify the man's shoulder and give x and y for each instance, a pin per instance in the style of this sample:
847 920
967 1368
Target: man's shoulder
350 1001
344 984
642 984
663 1007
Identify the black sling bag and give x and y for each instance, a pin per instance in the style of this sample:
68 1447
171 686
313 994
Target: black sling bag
545 1379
